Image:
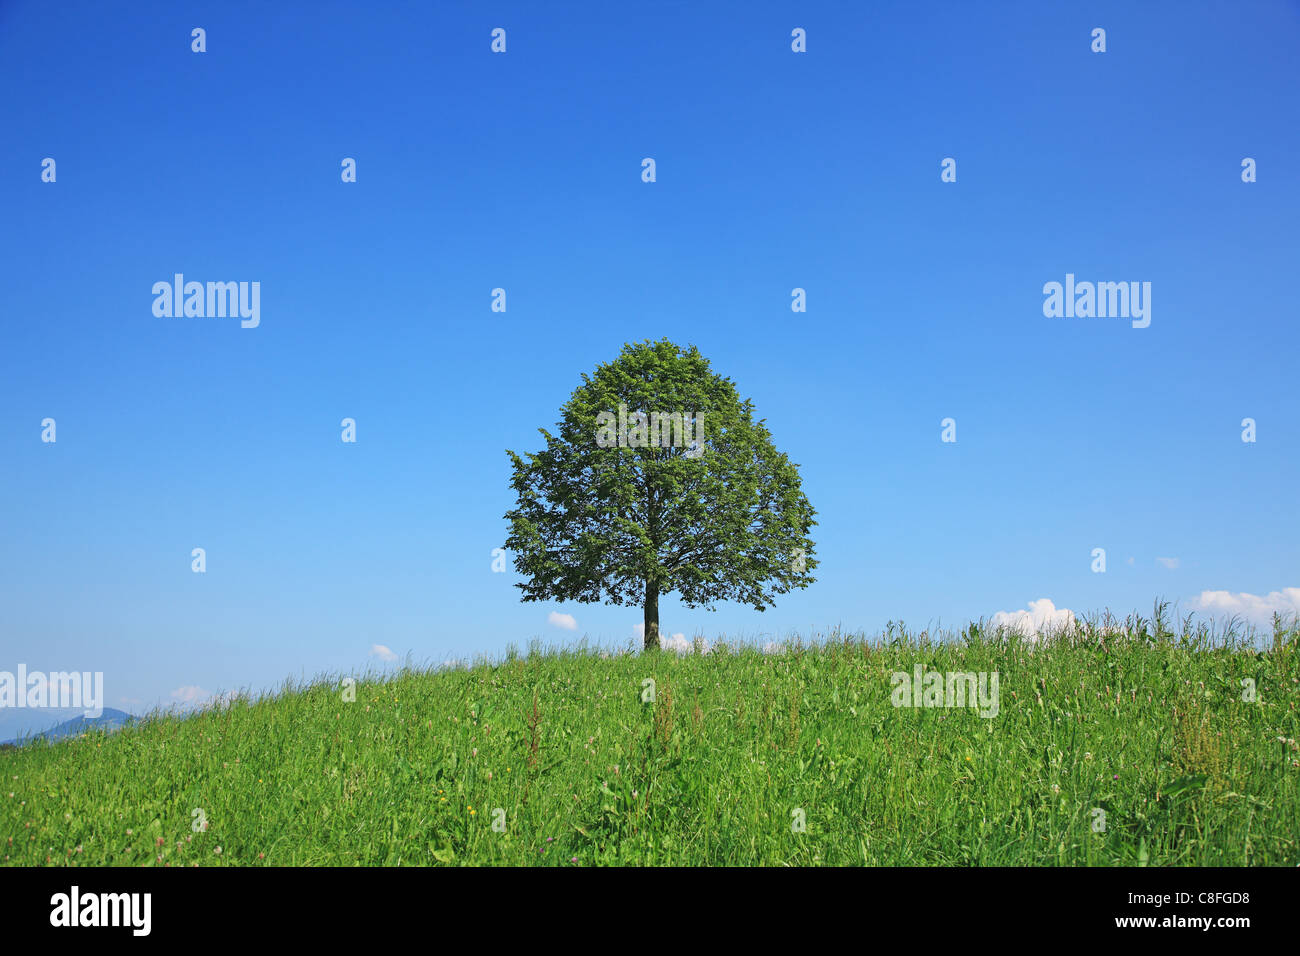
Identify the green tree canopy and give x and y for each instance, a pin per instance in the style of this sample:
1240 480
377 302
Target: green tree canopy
622 507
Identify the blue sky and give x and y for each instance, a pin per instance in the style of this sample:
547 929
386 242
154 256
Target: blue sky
522 170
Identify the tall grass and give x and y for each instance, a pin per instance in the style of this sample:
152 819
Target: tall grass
1137 719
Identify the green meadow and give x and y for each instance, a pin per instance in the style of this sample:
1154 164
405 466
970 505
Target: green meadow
1132 744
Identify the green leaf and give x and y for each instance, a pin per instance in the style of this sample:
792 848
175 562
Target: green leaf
1191 782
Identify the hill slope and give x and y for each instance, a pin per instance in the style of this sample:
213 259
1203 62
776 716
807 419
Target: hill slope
735 751
110 719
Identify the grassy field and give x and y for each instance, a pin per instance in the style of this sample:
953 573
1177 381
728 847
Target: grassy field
737 749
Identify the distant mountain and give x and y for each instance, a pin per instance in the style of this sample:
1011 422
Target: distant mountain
110 719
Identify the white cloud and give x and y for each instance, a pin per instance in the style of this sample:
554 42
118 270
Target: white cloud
1041 616
566 621
382 652
1170 563
676 642
191 695
1254 607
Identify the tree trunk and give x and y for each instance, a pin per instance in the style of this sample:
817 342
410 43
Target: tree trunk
651 616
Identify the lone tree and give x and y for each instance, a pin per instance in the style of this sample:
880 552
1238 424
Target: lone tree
659 481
